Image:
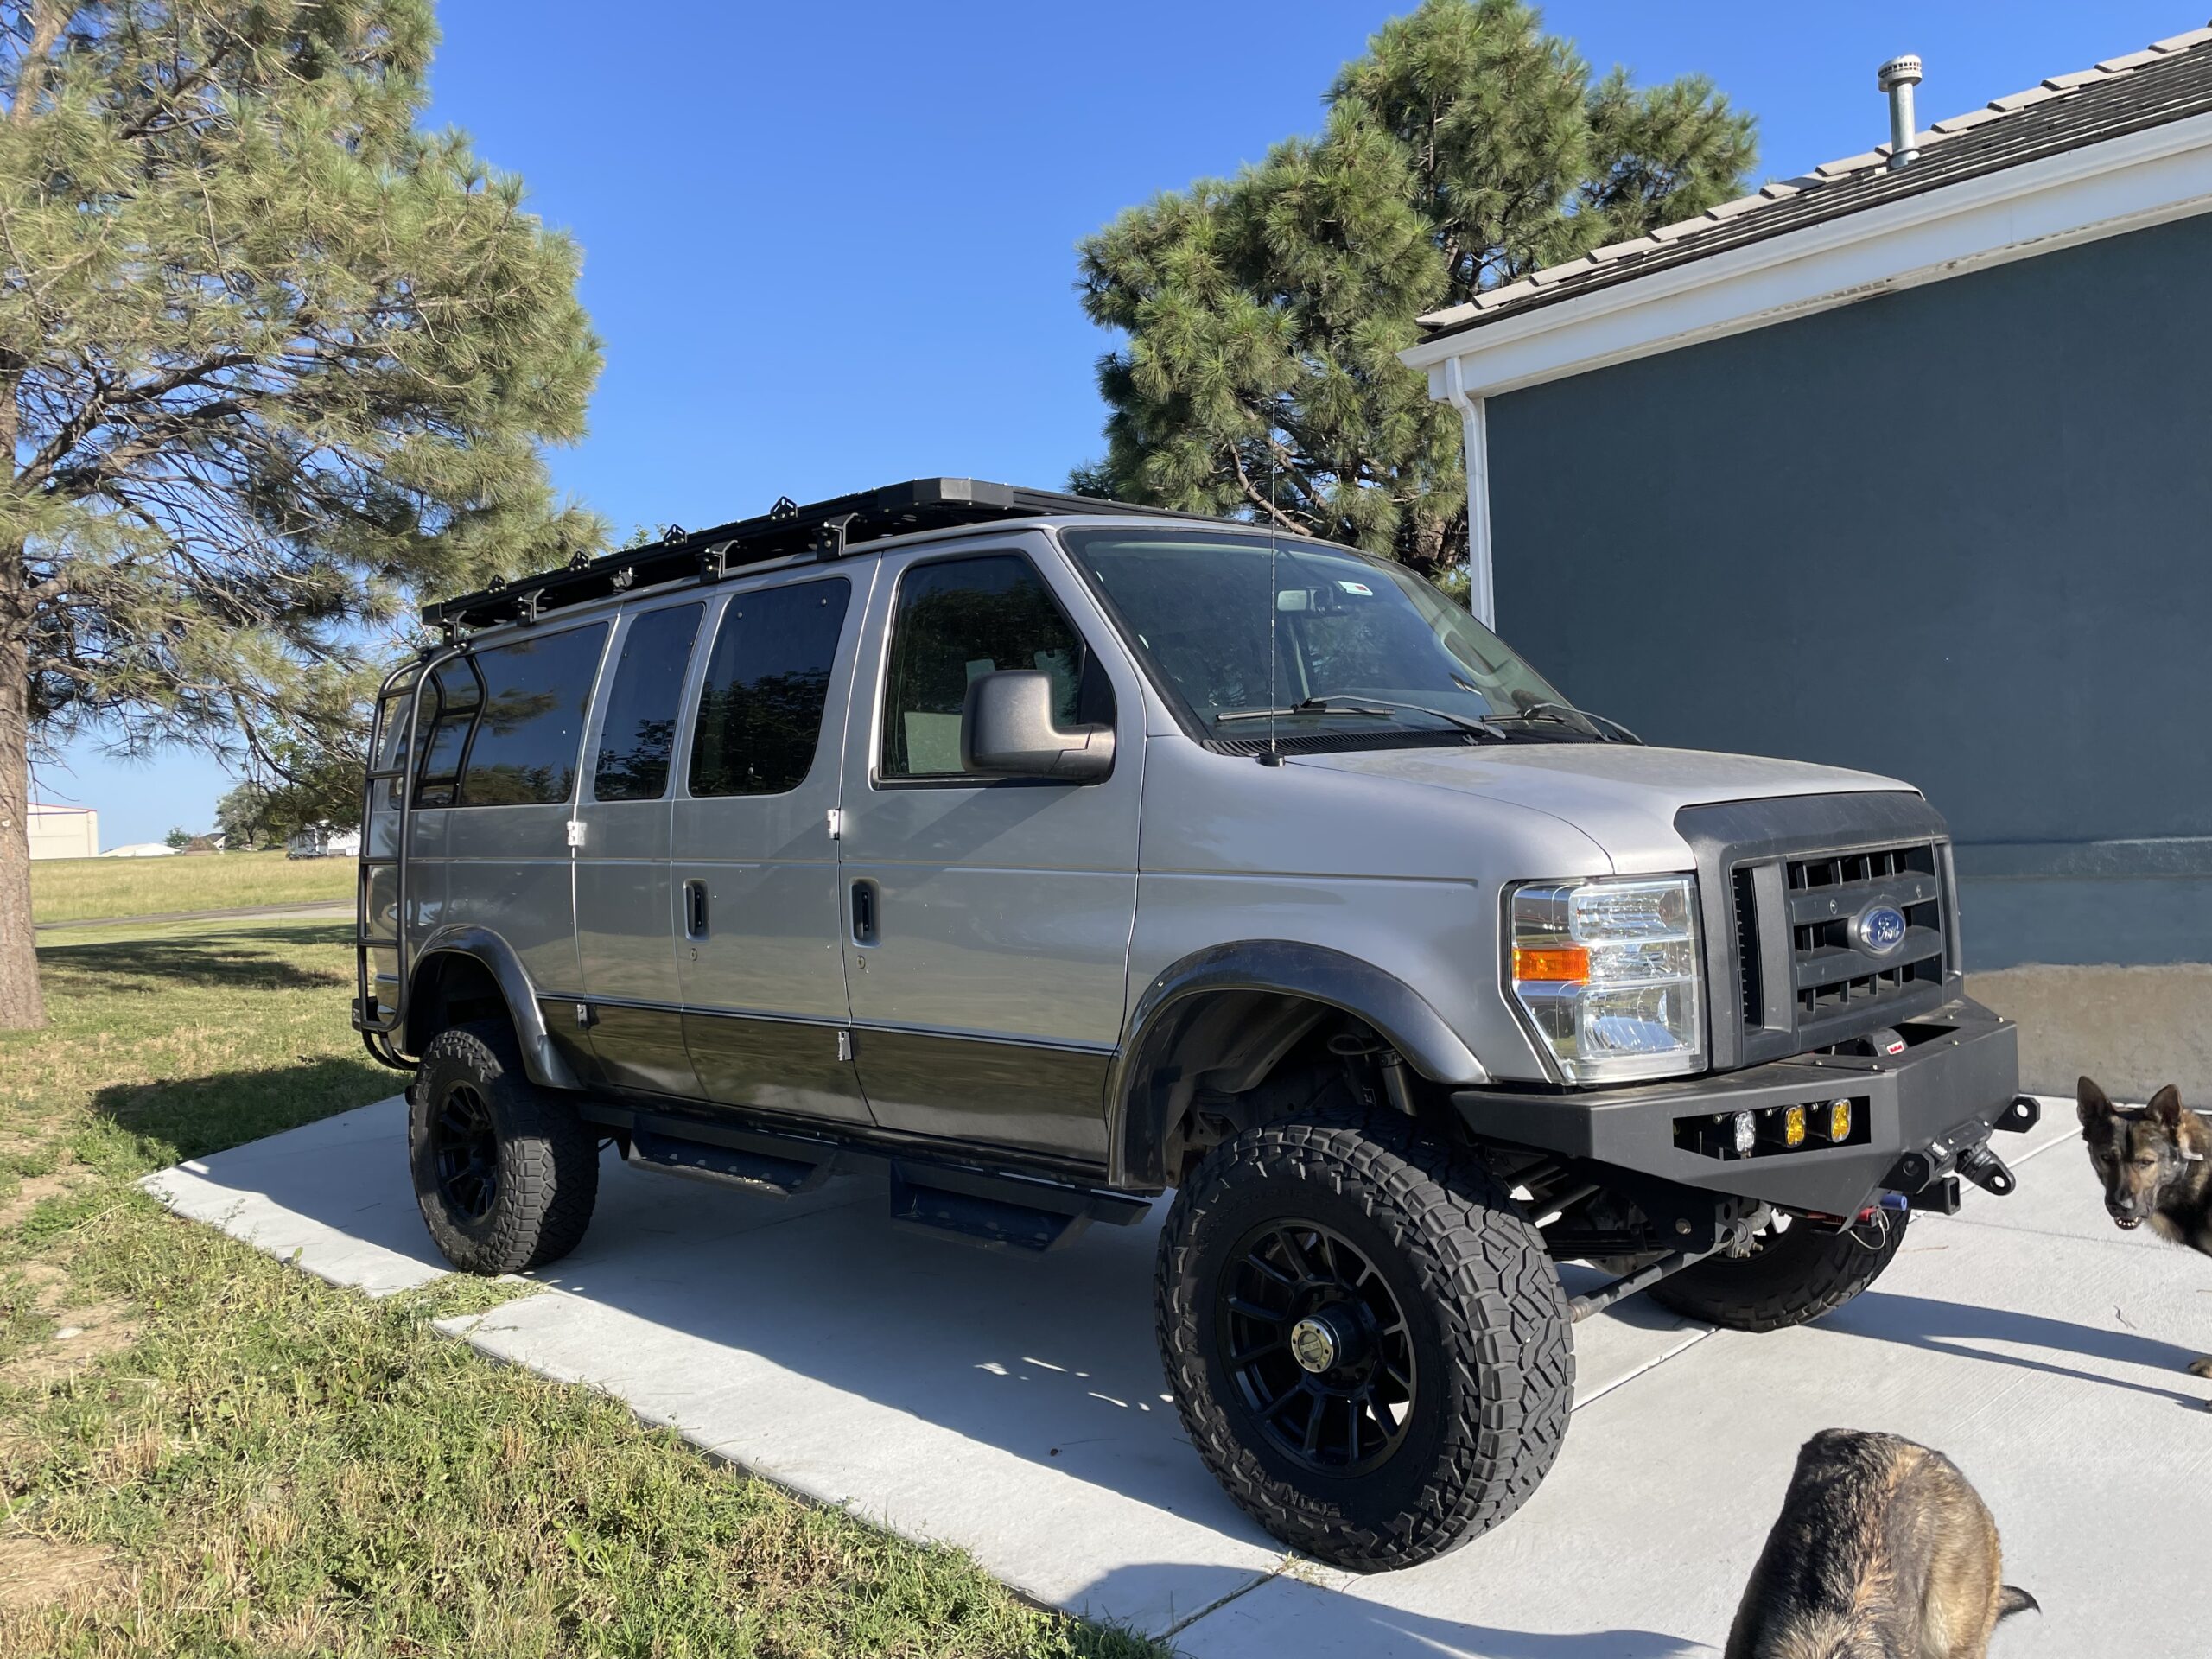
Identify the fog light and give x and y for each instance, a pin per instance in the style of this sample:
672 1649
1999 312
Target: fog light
1747 1134
1793 1125
1840 1122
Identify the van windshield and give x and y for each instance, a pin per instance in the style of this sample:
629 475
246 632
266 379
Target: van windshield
1321 638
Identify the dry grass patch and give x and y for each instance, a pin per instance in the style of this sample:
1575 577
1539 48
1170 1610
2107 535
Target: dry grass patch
38 1573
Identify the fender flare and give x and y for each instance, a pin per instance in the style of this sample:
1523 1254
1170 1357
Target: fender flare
1139 1109
541 1060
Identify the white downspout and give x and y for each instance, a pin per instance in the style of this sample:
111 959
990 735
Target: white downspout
1474 426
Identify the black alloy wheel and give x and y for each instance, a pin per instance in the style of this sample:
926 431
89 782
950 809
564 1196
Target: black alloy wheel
1315 1343
465 1146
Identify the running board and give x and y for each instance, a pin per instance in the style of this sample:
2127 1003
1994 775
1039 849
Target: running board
1001 1211
757 1163
986 1207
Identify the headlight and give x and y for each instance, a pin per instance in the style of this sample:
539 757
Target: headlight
1608 972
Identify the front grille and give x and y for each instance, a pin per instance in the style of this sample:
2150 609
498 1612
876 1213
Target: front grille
1832 969
1783 882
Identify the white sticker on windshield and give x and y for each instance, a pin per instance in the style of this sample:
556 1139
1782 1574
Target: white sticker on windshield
1359 588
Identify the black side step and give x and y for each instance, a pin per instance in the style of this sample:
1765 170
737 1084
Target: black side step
992 1208
757 1163
1001 1211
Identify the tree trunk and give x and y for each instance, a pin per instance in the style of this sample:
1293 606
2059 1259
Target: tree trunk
22 1006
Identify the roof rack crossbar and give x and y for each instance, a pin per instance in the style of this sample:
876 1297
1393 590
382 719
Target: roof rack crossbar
825 530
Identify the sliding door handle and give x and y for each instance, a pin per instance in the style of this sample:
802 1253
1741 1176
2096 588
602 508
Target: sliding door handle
866 896
695 910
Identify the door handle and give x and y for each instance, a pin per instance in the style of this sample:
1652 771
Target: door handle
865 895
695 910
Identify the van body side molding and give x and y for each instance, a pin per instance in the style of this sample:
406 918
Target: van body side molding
1145 1096
540 1059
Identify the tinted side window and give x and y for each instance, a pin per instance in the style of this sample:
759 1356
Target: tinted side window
531 724
956 619
637 737
760 710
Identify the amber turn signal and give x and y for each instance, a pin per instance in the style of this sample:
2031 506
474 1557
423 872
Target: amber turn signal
1566 964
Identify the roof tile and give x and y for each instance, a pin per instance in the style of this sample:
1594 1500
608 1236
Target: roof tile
2021 100
2133 60
1741 205
1857 163
2079 77
2183 42
1971 118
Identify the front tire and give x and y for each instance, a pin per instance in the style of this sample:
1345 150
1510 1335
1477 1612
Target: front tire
506 1173
1791 1276
1366 1339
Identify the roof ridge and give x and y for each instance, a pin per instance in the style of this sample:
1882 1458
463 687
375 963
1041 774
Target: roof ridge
1826 173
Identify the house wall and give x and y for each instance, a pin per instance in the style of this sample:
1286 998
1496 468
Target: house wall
1961 535
64 832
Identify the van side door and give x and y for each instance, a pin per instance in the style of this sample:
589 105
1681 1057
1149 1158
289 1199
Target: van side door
625 909
988 921
755 852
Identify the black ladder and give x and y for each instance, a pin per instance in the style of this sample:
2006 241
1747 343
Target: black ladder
380 997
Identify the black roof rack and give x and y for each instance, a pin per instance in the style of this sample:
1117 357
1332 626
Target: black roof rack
825 529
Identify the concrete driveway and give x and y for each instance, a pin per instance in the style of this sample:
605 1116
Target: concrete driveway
1015 1406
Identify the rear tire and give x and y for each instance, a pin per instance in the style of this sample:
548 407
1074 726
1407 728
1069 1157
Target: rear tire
1435 1395
505 1171
1791 1277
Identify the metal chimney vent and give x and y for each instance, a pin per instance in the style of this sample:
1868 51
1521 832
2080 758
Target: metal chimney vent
1897 78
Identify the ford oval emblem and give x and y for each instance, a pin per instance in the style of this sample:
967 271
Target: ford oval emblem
1880 929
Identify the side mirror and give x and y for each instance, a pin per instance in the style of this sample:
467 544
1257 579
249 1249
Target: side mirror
1007 730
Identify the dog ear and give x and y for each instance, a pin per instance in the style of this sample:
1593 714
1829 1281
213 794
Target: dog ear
2165 1107
2089 1101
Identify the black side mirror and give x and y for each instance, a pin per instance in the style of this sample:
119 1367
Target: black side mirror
1007 730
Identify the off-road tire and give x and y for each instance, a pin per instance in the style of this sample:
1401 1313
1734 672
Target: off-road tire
1797 1277
1492 1343
546 1161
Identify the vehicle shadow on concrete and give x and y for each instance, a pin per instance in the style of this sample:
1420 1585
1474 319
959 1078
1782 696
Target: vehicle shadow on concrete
1287 1615
1955 1328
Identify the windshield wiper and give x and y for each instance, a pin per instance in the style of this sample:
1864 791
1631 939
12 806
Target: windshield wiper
1373 708
1311 706
1610 731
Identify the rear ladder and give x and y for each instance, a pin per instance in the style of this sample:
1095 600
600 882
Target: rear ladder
380 997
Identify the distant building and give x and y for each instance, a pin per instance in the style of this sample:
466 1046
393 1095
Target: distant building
323 841
141 849
64 831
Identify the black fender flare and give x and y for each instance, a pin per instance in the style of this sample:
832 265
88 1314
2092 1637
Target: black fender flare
540 1059
1138 1110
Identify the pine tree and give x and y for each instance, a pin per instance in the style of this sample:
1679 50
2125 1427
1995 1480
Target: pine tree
272 360
1263 314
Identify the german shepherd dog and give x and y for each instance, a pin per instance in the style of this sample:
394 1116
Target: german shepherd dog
1882 1551
2157 1167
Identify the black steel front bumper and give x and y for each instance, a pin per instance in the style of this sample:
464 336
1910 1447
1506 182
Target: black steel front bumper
1928 1113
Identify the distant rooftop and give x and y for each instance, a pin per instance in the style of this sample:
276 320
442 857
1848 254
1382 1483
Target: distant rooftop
2167 81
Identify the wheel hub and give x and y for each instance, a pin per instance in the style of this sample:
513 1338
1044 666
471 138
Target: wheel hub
1314 1345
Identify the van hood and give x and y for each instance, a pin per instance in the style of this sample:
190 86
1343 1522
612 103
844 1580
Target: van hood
1622 796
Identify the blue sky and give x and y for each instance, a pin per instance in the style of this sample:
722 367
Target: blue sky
833 245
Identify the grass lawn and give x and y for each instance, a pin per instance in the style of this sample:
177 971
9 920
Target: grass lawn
74 889
203 1452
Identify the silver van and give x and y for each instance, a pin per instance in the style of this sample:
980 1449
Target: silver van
1044 854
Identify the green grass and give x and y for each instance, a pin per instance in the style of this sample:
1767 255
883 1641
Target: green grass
75 889
259 1463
